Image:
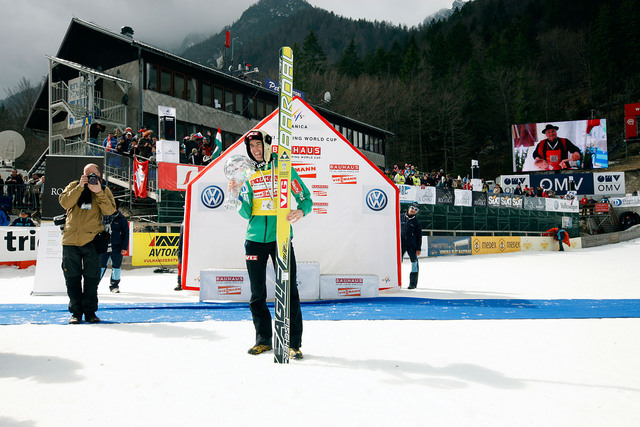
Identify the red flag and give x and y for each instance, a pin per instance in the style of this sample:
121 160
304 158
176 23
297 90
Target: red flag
227 40
140 170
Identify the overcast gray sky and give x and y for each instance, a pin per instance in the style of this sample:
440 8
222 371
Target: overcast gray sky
31 29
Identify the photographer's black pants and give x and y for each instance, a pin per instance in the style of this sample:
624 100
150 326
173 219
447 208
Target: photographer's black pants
78 263
257 257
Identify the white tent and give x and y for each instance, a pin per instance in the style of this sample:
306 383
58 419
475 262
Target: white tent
353 229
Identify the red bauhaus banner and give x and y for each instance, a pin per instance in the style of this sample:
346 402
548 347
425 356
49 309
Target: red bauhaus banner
140 171
176 176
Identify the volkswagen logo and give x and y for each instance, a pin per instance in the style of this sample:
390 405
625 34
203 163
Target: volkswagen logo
212 197
376 200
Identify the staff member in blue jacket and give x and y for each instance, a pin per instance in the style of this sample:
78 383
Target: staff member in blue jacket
118 226
411 241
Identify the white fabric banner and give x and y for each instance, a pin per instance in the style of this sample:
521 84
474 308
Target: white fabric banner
621 202
426 195
167 151
354 226
408 193
19 243
462 197
49 279
562 205
510 182
609 183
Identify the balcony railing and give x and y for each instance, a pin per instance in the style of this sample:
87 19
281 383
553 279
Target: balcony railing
118 169
103 109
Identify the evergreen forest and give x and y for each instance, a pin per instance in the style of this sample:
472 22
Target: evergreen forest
450 90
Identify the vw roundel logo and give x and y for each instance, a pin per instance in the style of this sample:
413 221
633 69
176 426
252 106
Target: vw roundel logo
376 200
212 196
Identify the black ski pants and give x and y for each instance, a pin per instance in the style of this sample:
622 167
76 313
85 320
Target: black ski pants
257 255
78 263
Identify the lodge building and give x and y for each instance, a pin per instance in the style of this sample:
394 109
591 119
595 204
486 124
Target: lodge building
101 76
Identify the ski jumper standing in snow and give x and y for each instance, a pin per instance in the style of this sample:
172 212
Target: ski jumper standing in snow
259 207
411 241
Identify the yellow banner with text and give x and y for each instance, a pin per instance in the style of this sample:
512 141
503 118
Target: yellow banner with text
155 249
495 245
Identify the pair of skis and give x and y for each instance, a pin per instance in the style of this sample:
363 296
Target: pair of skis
282 161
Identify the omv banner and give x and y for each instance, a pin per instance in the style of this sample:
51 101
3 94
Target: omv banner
600 183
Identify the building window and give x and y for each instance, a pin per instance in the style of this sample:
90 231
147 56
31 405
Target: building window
192 89
181 131
239 104
217 97
206 94
260 109
249 109
179 87
228 139
165 82
152 77
228 101
270 107
348 133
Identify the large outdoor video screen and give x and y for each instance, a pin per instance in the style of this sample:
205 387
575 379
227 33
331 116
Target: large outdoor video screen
579 144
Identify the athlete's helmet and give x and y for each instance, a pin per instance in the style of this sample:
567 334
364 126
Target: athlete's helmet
259 135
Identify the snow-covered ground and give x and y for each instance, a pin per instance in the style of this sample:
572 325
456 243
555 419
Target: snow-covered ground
364 373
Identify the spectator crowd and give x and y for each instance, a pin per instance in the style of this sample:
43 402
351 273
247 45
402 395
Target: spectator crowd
22 194
196 148
410 175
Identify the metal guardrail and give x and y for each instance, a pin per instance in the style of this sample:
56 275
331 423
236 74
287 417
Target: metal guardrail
20 196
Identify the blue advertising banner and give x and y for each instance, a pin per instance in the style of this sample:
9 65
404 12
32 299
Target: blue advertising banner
274 86
560 183
449 245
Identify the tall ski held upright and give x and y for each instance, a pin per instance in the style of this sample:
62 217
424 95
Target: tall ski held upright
282 160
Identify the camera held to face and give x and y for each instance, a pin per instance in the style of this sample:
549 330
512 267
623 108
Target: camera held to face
93 179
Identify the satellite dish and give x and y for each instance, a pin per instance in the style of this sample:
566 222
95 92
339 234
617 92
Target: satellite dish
327 97
11 145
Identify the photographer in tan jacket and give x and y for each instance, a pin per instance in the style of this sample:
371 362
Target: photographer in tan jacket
86 201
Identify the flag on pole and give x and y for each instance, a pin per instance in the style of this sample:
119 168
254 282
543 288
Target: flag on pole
140 170
218 150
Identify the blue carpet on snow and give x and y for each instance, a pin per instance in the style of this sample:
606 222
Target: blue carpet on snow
382 308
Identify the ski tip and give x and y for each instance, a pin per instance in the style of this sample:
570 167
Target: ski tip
286 51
